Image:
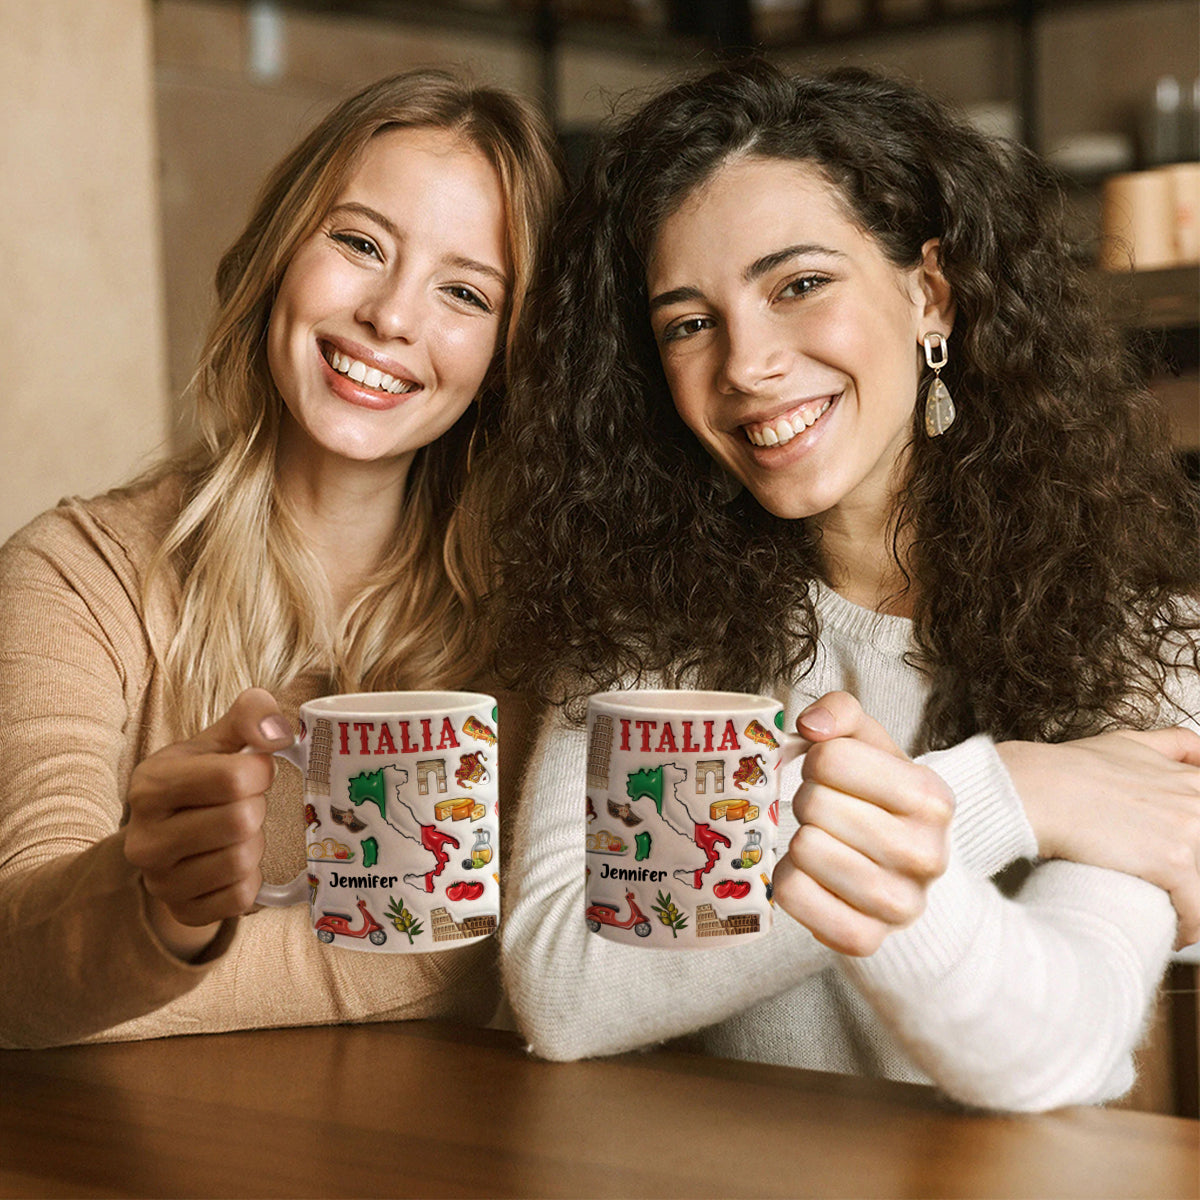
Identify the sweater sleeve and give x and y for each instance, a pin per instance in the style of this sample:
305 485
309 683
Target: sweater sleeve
1030 1003
990 828
574 994
1035 1002
79 952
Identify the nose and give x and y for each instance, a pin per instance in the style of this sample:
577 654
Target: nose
394 308
754 355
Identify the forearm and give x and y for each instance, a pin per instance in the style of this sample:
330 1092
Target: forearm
575 994
80 954
1025 1004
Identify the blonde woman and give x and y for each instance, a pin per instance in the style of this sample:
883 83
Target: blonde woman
322 537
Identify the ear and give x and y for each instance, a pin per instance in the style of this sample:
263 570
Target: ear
938 314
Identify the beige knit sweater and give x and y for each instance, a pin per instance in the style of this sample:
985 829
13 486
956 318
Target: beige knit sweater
81 703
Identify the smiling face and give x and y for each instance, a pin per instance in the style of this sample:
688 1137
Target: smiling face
387 317
789 340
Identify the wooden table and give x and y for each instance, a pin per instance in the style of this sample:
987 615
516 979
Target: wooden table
421 1109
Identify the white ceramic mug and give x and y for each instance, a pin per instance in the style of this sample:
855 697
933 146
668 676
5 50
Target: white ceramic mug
682 807
402 820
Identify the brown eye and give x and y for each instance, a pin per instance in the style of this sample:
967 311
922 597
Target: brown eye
468 296
688 327
803 286
358 244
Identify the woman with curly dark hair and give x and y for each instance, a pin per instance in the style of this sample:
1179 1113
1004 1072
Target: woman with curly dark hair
817 403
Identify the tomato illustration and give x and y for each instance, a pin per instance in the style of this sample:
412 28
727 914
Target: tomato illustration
464 891
729 889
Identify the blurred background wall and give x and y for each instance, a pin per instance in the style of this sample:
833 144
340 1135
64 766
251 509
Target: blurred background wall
137 131
81 286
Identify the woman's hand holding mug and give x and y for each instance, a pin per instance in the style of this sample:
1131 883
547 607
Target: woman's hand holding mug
874 831
401 816
196 811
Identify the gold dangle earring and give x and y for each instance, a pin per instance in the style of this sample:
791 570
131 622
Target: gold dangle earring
939 407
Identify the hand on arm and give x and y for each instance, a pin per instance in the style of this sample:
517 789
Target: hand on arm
874 831
196 811
1127 800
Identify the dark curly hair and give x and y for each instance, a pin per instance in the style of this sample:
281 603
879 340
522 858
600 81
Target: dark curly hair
1053 555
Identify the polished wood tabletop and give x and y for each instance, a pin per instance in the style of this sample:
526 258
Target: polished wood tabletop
423 1109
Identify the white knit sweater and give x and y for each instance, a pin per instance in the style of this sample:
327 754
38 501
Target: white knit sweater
1024 1004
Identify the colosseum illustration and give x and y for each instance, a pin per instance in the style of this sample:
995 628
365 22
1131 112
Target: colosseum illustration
708 924
446 929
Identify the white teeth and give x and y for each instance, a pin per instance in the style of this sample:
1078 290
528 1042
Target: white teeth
781 431
369 376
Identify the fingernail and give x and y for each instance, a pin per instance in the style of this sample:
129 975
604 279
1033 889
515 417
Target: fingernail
275 728
818 719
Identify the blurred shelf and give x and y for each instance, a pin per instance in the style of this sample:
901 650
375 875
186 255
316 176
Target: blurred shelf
626 25
653 32
1166 299
1180 398
1161 311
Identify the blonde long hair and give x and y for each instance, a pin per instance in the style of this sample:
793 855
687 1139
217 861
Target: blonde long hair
253 604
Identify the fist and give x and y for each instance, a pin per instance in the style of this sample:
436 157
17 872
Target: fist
196 811
874 831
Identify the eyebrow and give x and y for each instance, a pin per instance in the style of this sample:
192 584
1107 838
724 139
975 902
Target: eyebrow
675 296
460 261
768 262
756 270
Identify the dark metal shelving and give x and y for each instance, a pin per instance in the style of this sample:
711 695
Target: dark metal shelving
549 25
1168 298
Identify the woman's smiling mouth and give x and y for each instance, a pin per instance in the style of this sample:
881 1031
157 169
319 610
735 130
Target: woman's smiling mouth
782 429
359 372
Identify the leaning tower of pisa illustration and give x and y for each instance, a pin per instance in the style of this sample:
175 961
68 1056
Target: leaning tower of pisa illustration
599 752
316 779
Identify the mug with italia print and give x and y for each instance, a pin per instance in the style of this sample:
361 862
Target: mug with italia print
682 806
401 818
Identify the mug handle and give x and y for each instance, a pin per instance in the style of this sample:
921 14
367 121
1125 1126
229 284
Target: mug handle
791 745
282 895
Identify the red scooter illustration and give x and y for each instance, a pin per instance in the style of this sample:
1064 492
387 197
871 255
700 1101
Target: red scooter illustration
330 923
603 913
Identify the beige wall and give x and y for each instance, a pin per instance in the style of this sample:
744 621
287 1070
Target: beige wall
81 302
